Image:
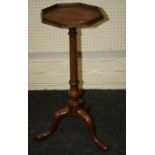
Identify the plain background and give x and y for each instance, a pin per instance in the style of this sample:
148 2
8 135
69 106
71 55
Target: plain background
140 77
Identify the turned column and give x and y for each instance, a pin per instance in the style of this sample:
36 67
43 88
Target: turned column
74 92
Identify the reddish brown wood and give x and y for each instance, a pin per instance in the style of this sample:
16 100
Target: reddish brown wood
56 119
72 15
74 92
75 107
82 114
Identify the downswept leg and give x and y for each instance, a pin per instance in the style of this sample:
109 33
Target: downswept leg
89 122
55 121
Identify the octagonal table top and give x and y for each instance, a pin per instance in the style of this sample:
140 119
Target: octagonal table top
68 15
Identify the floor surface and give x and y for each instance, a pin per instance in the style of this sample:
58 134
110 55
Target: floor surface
108 108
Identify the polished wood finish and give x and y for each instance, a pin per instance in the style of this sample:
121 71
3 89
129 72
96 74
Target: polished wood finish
69 15
75 107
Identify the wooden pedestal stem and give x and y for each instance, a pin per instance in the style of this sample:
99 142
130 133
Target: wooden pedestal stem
75 108
74 92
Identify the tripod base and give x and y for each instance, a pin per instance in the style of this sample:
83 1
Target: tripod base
80 113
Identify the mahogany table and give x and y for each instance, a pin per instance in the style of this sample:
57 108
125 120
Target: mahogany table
72 16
